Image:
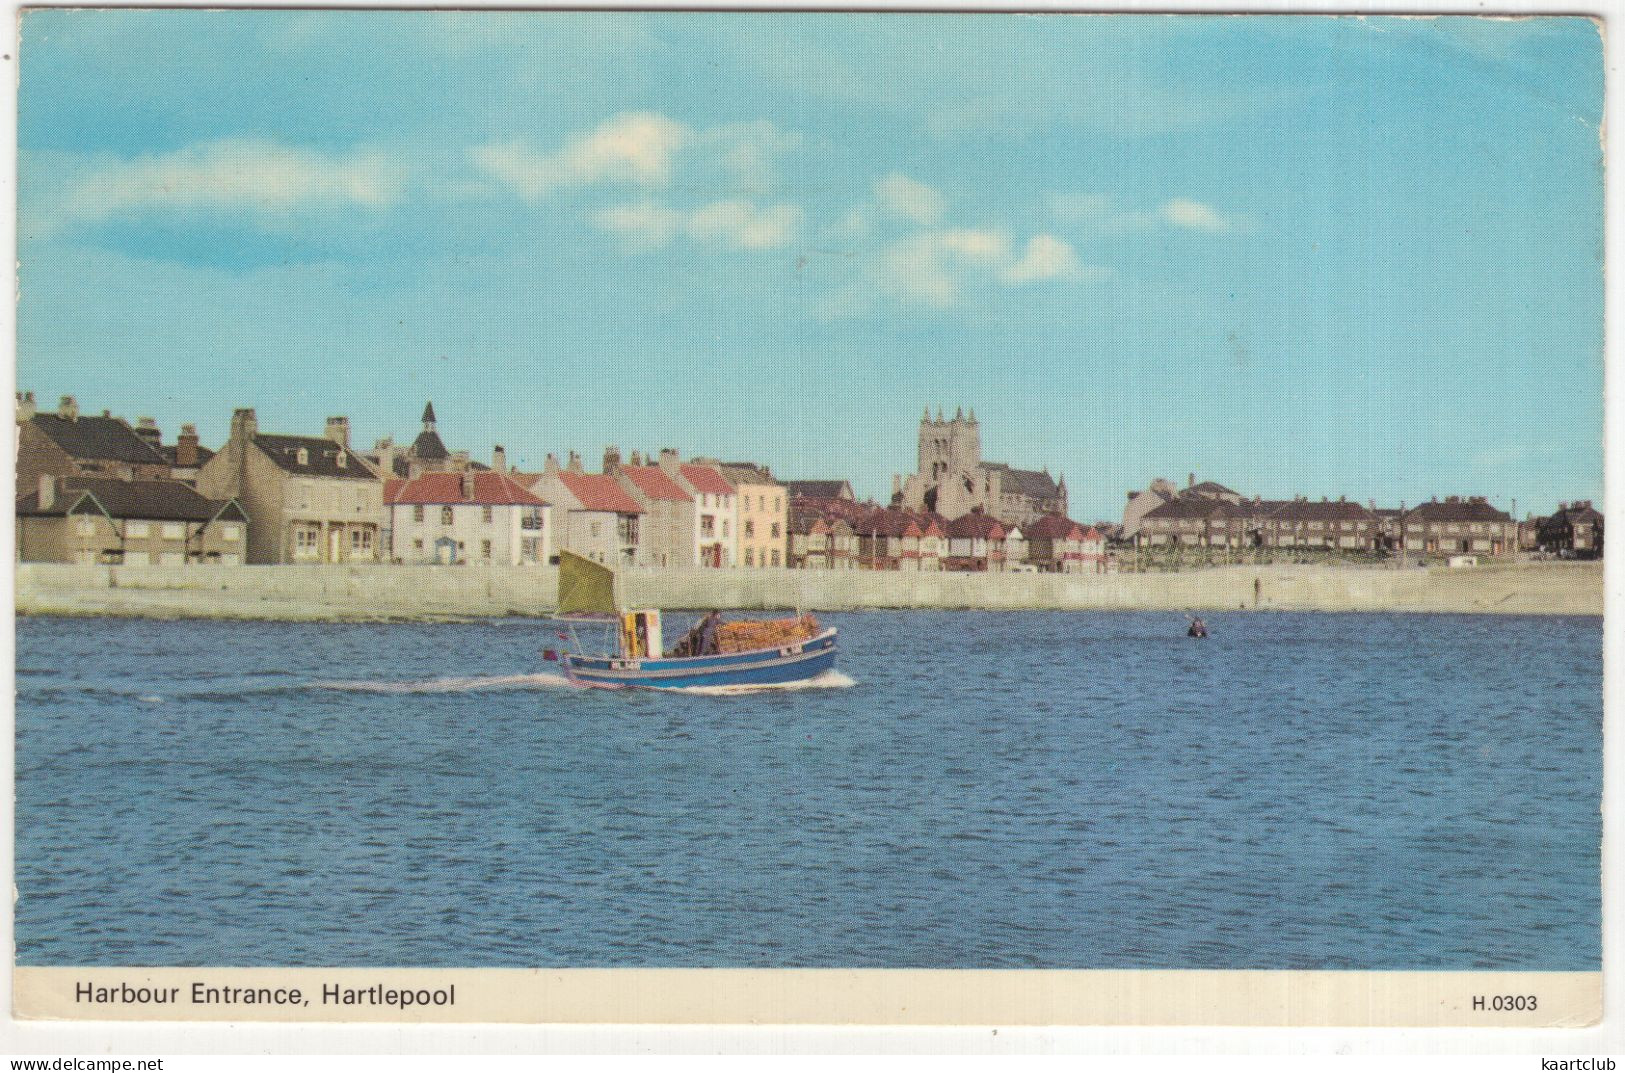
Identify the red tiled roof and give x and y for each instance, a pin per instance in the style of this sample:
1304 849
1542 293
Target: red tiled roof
653 482
489 490
598 492
1055 527
983 526
706 479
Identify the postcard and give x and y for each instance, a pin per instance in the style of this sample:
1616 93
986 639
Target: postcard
824 517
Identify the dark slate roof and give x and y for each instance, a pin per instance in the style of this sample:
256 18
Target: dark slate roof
321 457
106 438
1211 488
1457 510
1324 511
156 500
737 473
1053 527
429 447
818 489
1195 507
1028 482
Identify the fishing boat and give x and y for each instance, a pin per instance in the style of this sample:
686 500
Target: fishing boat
773 652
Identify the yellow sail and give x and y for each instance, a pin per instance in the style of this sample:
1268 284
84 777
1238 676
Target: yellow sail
585 587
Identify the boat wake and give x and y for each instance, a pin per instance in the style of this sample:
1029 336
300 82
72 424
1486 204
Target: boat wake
826 680
454 685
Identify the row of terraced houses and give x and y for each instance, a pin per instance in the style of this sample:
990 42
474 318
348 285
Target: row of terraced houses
95 489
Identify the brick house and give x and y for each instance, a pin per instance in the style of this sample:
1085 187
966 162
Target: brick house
1058 545
1337 526
1574 531
823 535
669 530
1458 526
472 517
311 499
69 444
111 522
976 543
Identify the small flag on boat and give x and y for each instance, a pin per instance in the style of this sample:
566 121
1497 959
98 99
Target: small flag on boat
563 636
550 654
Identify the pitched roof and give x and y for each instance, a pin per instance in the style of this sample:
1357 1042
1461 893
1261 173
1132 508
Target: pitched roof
1305 510
653 482
598 492
706 479
168 451
109 439
1054 527
976 525
489 490
1211 488
1028 482
737 473
1474 509
1195 507
820 489
429 447
321 457
156 500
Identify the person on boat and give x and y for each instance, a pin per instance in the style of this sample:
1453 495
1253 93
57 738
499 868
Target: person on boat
1198 628
709 641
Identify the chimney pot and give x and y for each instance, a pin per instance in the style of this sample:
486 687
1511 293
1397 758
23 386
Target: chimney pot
68 408
338 430
244 425
499 459
186 446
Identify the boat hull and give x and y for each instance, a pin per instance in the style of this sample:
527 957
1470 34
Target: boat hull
761 667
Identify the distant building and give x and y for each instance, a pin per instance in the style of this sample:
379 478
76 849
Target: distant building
486 518
592 514
1458 526
823 533
669 533
1162 491
310 498
1196 521
426 454
952 479
820 490
109 521
69 444
1334 526
1574 531
1059 545
714 507
976 542
761 515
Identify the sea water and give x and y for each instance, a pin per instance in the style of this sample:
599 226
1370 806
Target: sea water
969 789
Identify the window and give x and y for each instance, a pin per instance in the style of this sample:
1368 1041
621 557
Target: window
306 540
487 514
174 531
775 554
708 525
85 527
445 515
485 545
724 529
135 529
597 529
417 513
750 530
417 545
230 532
303 457
342 460
627 529
750 556
773 530
361 541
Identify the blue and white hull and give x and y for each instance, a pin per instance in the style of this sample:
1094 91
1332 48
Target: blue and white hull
790 663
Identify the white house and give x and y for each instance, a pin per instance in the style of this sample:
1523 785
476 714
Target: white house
483 518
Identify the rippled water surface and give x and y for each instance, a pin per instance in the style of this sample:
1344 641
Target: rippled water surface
979 790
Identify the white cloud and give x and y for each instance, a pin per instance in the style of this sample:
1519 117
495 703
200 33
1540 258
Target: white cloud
1195 215
736 225
929 268
644 224
232 174
910 199
748 152
633 147
742 226
1046 258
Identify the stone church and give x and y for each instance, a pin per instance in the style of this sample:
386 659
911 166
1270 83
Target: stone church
953 480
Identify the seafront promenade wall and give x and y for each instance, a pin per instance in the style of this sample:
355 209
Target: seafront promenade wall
428 592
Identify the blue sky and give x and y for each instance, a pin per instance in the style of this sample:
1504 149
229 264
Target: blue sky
1296 255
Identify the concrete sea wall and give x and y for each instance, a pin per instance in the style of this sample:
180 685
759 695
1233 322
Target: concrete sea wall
374 593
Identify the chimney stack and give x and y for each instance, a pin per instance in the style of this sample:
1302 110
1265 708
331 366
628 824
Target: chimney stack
499 459
338 430
147 429
47 491
25 406
68 408
574 465
612 460
1190 480
244 425
468 486
637 459
550 465
669 461
186 446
